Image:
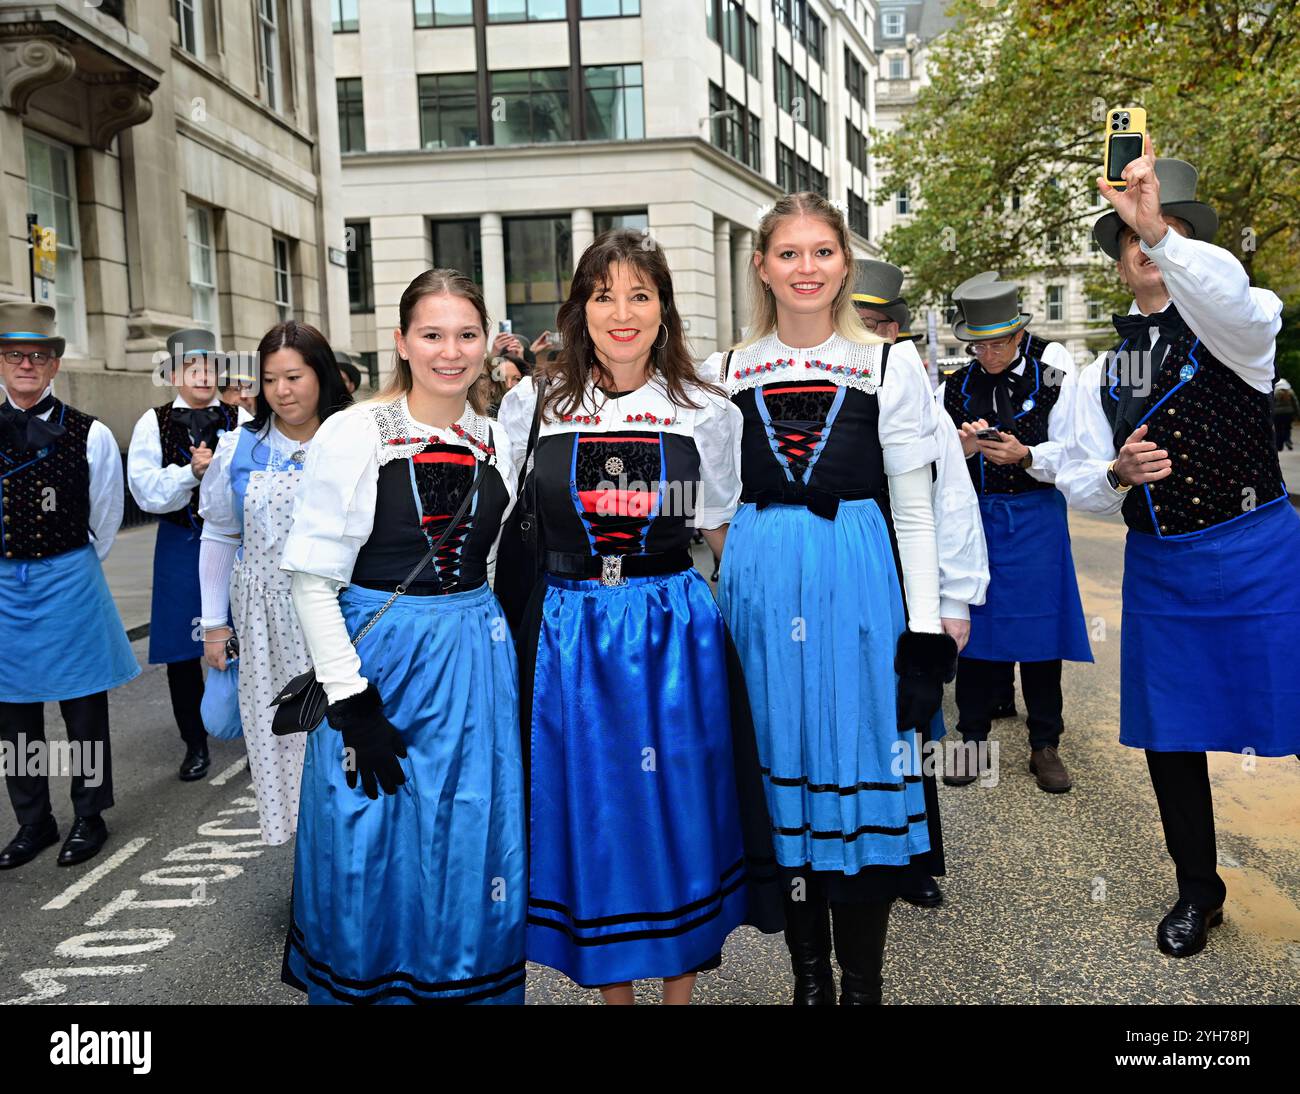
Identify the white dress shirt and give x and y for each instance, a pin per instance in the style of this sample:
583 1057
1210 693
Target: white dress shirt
105 463
159 487
1239 324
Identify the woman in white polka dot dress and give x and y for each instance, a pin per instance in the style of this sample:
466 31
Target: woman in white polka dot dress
246 500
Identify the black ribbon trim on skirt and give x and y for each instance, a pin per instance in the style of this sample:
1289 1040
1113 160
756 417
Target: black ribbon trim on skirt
849 837
642 917
401 983
831 788
636 936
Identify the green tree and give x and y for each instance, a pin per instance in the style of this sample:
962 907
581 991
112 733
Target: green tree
1017 106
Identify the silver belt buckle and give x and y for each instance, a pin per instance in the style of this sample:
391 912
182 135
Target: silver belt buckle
611 570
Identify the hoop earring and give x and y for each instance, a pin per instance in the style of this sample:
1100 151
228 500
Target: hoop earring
656 343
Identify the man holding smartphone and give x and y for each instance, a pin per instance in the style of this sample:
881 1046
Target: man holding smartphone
1010 404
1173 429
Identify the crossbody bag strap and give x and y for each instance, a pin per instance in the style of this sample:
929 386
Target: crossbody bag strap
726 367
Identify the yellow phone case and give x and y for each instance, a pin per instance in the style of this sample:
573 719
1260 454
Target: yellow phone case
1122 124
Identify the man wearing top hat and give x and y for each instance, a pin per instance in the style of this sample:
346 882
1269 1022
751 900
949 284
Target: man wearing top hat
61 638
170 450
348 370
1172 428
963 560
1015 386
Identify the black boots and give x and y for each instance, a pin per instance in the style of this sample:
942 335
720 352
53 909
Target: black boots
808 937
860 949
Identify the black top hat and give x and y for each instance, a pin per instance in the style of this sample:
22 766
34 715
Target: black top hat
877 285
30 323
990 311
1177 180
187 343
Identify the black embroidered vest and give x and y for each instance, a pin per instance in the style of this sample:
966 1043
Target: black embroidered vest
176 452
1217 429
1035 394
45 496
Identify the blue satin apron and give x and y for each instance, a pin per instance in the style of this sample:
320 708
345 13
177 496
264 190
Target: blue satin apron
1032 611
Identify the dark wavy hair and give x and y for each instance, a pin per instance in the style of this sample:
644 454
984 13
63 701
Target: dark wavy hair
316 351
568 373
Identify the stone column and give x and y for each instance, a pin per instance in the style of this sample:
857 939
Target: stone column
583 232
722 259
492 241
742 250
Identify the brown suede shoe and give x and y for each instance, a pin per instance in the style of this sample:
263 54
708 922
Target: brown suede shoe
1045 764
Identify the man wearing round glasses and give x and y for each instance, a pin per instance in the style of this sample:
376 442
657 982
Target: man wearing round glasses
1008 405
60 508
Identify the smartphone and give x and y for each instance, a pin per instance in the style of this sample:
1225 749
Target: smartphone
988 435
555 341
506 326
1126 129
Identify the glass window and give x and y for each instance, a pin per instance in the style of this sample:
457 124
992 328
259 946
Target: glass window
816 38
892 24
636 219
897 68
859 216
751 48
733 20
444 13
520 11
52 196
268 37
352 116
784 85
369 364
449 111
711 19
785 176
597 9
539 264
1055 303
361 278
457 245
902 202
534 106
189 17
615 107
346 15
283 278
203 266
1095 313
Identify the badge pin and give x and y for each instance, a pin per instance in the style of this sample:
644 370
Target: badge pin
614 466
1186 372
1027 405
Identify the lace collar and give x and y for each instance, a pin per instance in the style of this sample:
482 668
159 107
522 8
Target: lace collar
769 360
401 436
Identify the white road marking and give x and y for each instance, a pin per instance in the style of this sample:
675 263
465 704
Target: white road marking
230 772
103 869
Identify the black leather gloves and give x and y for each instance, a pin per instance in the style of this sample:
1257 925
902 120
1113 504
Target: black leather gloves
373 744
924 663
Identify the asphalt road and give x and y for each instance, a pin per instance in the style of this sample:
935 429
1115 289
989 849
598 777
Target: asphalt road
1049 898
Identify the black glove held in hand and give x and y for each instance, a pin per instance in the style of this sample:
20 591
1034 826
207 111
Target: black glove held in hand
924 663
372 742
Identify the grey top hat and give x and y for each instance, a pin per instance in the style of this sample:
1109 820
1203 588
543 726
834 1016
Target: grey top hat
1177 180
990 311
187 343
905 326
30 323
979 279
877 285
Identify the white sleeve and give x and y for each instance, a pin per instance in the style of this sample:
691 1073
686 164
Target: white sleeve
335 660
958 527
334 506
717 438
1050 455
216 560
516 416
1214 296
106 500
156 489
907 414
217 496
910 502
1090 446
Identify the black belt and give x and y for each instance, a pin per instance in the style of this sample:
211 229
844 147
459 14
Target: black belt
822 503
420 588
614 569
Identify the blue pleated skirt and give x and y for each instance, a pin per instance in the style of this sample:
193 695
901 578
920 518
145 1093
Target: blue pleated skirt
1208 639
62 634
636 863
176 606
418 897
815 609
1032 611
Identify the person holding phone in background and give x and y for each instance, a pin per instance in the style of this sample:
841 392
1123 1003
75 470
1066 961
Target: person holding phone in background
1173 428
1011 405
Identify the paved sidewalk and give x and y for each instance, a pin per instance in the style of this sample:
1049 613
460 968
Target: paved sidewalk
129 570
1291 473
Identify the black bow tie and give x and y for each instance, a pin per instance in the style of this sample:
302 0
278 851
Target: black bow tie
25 429
201 423
994 397
1135 327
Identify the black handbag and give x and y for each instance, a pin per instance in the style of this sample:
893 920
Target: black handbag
519 551
300 704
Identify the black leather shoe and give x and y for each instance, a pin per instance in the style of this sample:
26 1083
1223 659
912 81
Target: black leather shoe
84 841
1006 710
195 764
1185 930
31 840
920 890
